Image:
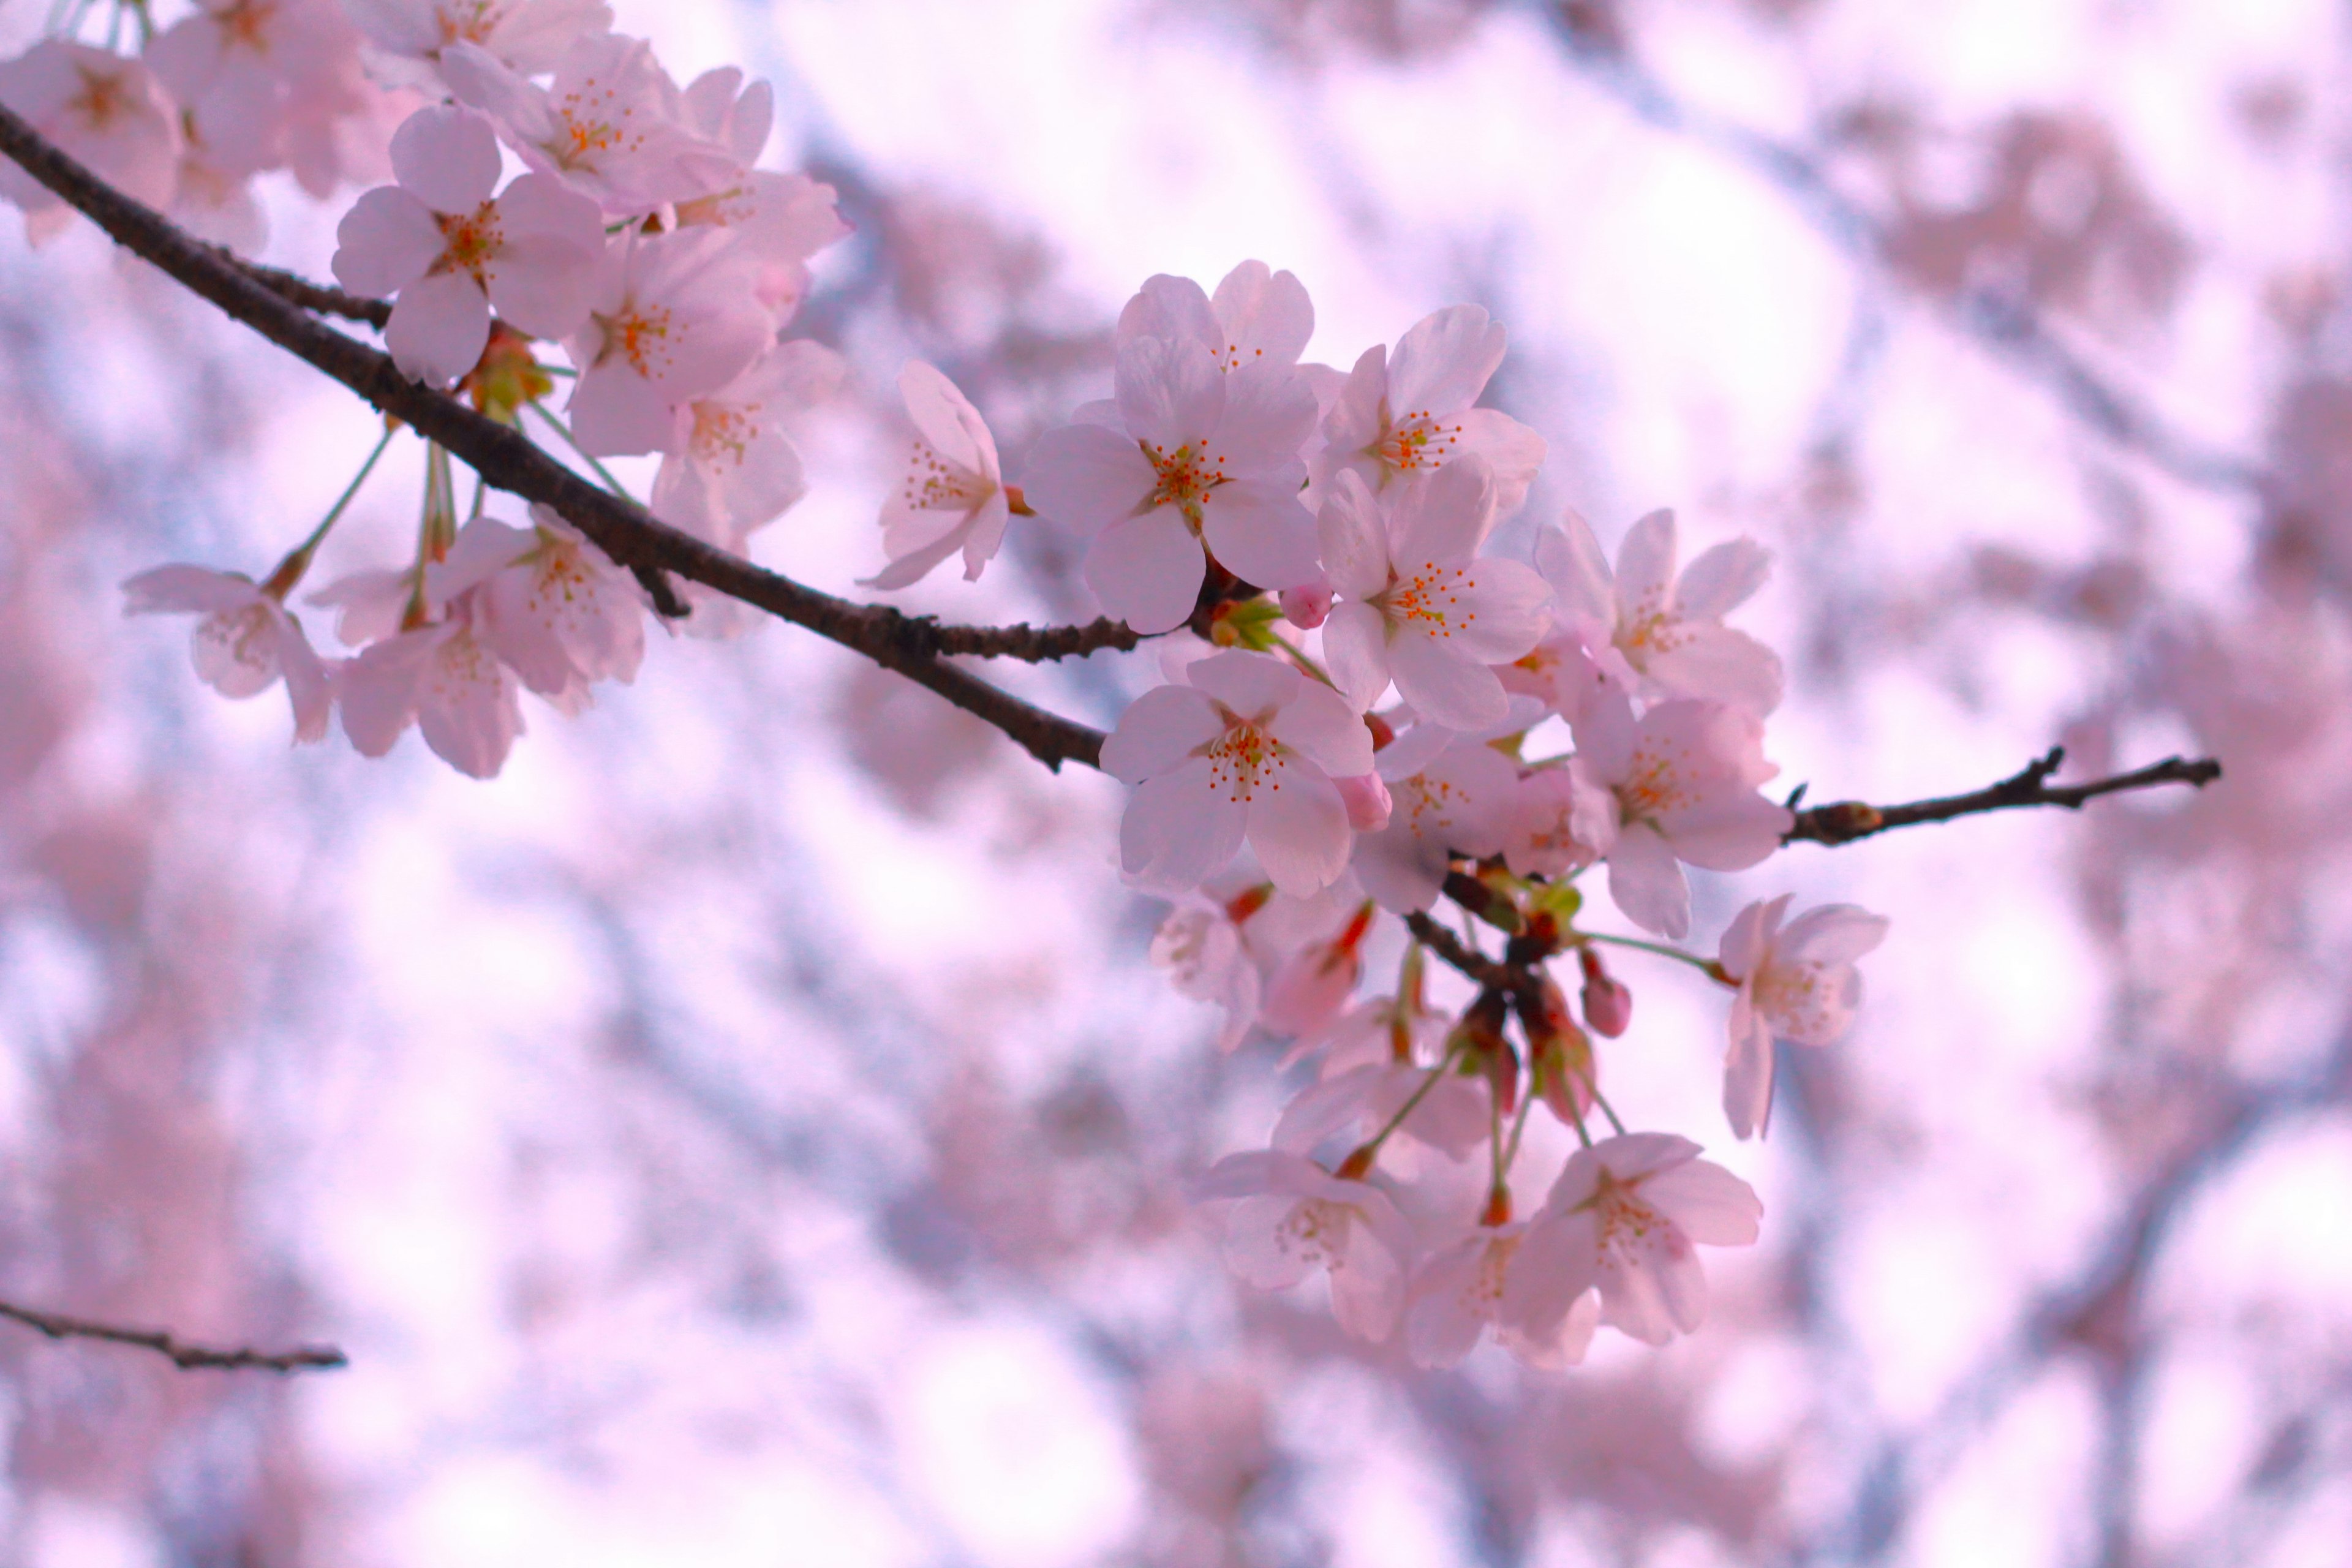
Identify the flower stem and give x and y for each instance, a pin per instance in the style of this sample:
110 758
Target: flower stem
1369 1149
281 583
1705 965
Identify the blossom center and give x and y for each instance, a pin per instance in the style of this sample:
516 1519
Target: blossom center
934 484
471 242
1185 476
640 335
1317 1230
1429 599
1243 760
101 100
1417 441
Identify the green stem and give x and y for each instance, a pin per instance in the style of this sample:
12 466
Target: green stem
599 470
297 560
1660 948
1300 658
1372 1147
1518 1127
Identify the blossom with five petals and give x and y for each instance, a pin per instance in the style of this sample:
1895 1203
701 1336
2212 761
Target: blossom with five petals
1290 1217
1621 1219
1457 1296
953 495
1796 981
450 251
108 113
1419 607
1248 749
553 606
1405 414
245 642
671 318
444 677
1667 627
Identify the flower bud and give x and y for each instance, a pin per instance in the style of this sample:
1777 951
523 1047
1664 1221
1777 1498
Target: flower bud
1368 804
1306 605
1608 1005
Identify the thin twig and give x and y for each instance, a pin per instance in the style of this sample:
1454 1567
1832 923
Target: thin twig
508 459
300 290
1511 979
183 1356
1848 820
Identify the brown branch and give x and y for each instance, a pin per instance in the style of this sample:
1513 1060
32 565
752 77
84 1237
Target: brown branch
1035 644
299 290
1848 820
509 461
1511 980
183 1356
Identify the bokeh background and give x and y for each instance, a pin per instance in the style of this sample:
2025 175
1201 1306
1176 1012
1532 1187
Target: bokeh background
748 1131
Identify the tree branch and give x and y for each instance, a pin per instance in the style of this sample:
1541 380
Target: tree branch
1848 820
509 461
299 290
185 1356
1035 644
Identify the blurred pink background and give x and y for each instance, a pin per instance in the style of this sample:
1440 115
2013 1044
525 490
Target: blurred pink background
748 1132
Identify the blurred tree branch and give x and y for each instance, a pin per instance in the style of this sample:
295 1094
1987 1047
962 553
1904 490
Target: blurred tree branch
185 1356
1846 821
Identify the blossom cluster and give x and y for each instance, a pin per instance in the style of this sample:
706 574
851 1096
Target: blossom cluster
638 235
1354 692
1365 706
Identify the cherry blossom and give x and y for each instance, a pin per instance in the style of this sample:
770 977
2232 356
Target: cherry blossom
1290 1216
552 604
1683 781
1405 414
449 251
246 641
1668 629
1450 1114
1457 1295
781 219
1247 751
1192 456
670 318
1621 1219
953 495
526 35
444 679
108 113
1558 823
610 126
1257 315
1309 989
1452 803
731 469
1797 981
236 65
1419 608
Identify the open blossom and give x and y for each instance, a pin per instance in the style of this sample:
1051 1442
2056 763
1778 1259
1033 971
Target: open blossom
108 113
1451 1115
1454 802
450 251
1557 823
670 318
1668 629
1291 1217
1457 1296
952 497
731 469
1193 457
1682 782
610 126
1621 1219
551 604
1405 414
1797 981
444 679
246 641
1421 609
1257 316
1308 988
1248 749
526 35
781 219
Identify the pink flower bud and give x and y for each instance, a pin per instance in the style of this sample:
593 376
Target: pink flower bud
1306 605
1608 1005
1367 802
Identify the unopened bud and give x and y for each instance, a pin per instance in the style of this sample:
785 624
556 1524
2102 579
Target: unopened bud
1368 801
1608 1005
1307 606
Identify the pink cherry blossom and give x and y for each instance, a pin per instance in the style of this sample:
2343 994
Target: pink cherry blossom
238 65
1621 1219
1199 944
1452 1117
1407 413
1452 803
1557 823
1669 629
1457 1296
246 641
1247 751
1797 981
1308 988
1192 456
444 677
671 318
1683 781
551 604
1420 607
1257 316
730 467
952 497
610 126
108 113
526 35
1290 1217
450 251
